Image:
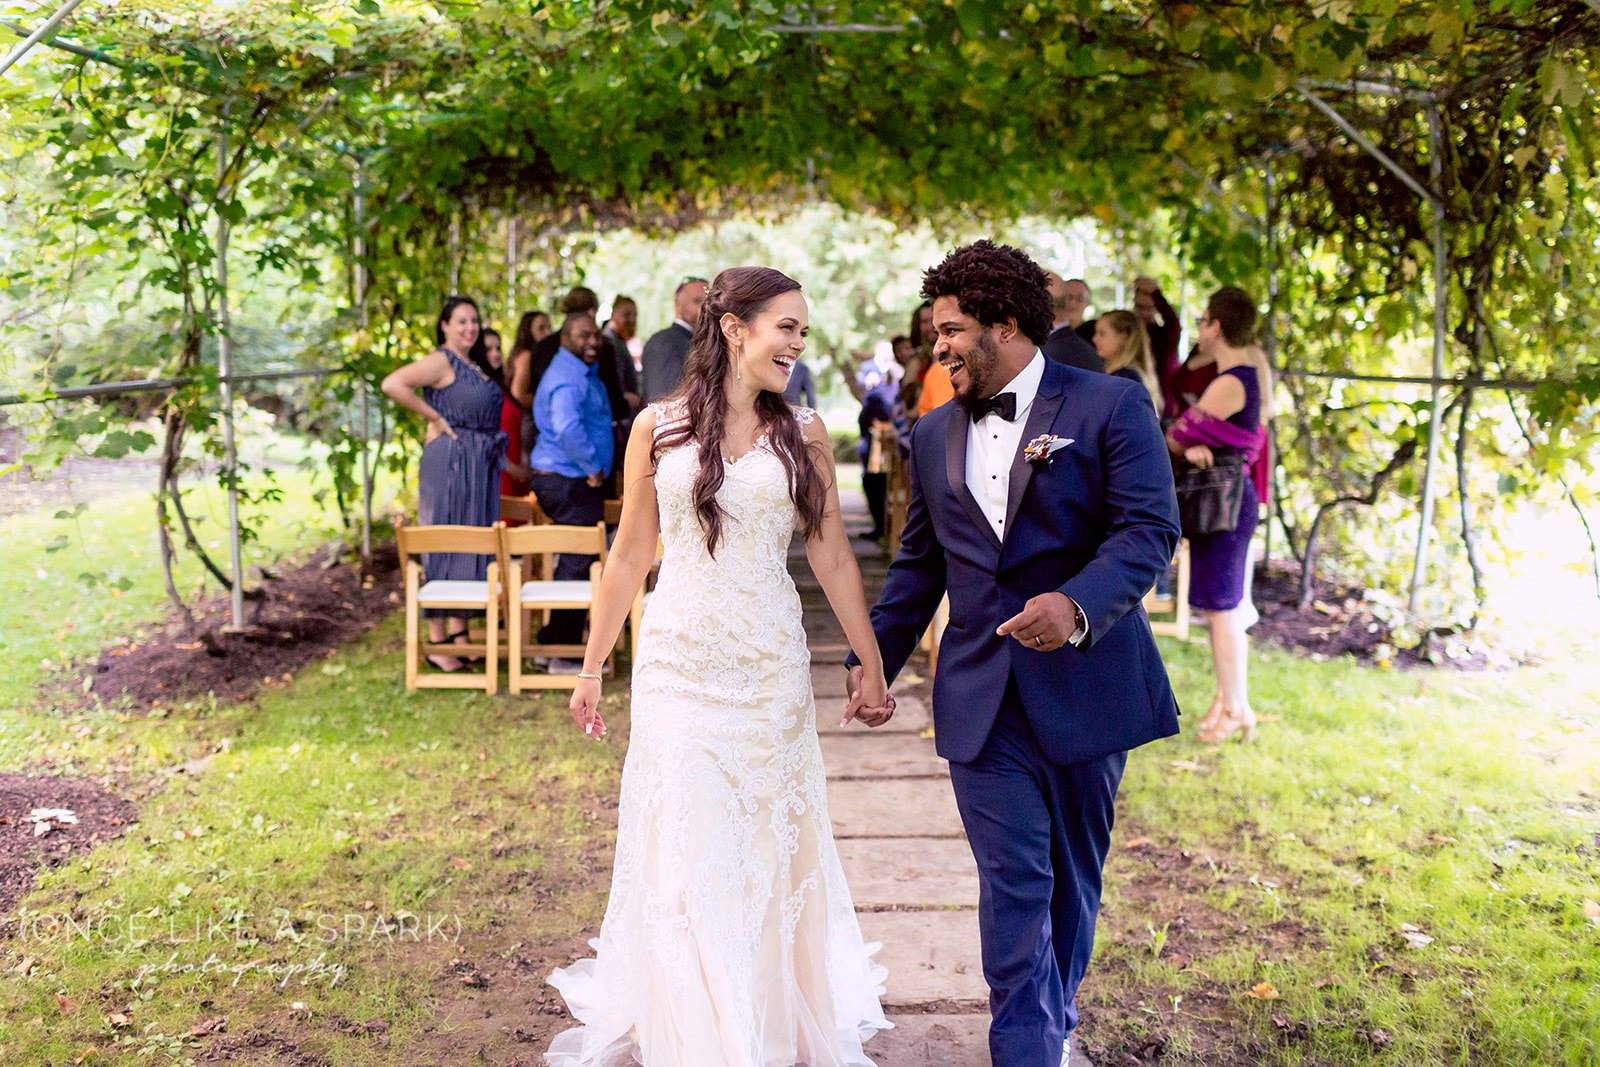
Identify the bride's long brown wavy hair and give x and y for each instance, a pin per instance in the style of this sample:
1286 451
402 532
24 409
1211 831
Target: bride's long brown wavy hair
742 292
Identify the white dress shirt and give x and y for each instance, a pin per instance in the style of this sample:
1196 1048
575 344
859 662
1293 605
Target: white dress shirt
992 446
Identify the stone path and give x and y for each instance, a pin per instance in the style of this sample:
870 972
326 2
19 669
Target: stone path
911 873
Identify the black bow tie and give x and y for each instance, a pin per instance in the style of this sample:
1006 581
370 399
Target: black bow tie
1004 405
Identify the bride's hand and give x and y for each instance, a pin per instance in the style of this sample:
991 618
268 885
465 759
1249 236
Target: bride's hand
585 706
870 701
877 706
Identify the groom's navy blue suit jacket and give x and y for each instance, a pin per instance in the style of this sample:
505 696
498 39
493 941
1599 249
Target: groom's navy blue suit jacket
1098 521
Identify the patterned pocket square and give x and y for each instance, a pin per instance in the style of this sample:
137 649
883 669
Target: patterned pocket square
1043 447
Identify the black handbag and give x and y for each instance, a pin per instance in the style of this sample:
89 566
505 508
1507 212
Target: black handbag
1209 500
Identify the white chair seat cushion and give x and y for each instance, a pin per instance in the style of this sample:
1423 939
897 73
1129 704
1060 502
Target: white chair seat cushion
578 594
441 589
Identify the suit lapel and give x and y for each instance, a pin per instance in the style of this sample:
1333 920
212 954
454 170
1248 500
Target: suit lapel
955 469
1042 416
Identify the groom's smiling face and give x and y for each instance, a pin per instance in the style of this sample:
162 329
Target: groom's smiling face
966 349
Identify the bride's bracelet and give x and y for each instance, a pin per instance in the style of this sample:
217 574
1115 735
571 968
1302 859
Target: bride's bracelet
586 674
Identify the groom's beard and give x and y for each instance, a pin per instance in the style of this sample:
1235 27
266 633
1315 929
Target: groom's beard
980 361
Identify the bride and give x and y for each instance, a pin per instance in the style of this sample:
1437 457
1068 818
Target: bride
729 938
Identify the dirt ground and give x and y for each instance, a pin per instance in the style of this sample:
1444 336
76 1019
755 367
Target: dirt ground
78 813
306 612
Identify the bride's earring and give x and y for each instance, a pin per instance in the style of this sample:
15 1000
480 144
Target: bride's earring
738 373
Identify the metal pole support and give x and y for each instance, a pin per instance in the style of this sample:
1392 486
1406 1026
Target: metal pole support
362 390
1441 297
45 29
225 371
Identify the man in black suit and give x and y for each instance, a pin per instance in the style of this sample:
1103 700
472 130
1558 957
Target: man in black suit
666 351
1068 301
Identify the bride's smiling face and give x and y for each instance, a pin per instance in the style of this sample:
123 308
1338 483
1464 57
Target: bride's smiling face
765 349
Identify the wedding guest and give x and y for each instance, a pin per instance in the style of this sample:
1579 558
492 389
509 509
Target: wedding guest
1230 417
540 325
514 475
904 351
665 352
935 386
877 411
1160 320
618 332
458 479
1068 300
1120 340
1078 300
802 387
582 301
916 365
1187 383
572 458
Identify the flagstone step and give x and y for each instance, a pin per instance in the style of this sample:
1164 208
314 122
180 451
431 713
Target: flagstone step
910 873
871 754
931 955
893 807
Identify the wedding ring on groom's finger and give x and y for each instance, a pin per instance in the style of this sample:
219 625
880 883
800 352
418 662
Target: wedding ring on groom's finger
1038 640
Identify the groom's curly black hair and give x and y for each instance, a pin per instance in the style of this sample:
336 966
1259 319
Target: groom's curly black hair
993 283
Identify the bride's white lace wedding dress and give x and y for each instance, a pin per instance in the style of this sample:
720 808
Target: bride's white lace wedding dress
729 939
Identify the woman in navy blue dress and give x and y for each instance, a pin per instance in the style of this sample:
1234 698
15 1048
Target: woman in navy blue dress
458 480
1220 562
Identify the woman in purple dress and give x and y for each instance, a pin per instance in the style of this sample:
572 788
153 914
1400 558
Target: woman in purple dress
1238 397
458 480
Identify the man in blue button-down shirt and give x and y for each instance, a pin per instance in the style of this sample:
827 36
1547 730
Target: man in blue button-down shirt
573 456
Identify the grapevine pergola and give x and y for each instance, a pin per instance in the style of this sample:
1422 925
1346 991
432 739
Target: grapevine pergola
1382 169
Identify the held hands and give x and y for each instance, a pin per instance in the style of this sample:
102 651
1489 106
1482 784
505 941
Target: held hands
1044 624
595 481
869 699
1199 456
585 705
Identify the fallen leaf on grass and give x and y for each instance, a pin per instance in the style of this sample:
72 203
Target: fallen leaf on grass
460 864
1324 983
85 1054
25 966
1264 991
189 646
1591 911
66 1004
1441 839
116 1018
1138 842
1186 765
1414 936
214 1025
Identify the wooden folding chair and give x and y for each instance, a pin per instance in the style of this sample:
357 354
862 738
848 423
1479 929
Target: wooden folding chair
522 511
1177 603
636 613
481 596
518 546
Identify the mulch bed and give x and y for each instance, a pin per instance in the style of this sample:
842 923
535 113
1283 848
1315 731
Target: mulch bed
1342 621
100 815
305 613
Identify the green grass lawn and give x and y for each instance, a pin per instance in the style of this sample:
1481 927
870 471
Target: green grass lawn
1405 859
322 821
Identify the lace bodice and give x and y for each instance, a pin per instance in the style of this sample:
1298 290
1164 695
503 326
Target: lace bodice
759 516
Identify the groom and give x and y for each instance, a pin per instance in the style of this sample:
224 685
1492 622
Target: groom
1042 503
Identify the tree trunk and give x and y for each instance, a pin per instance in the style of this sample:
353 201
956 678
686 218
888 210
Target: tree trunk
1308 558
